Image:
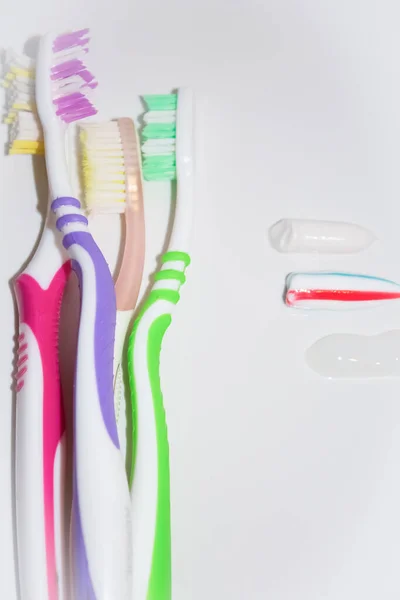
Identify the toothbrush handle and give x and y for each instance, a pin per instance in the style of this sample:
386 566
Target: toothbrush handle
40 428
122 401
101 502
150 472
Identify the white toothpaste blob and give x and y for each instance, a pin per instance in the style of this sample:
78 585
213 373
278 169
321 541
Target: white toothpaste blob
350 356
326 237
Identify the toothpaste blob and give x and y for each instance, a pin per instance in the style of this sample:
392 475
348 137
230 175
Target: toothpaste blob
338 291
325 237
349 356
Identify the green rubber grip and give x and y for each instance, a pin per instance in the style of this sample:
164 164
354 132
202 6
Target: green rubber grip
160 578
160 585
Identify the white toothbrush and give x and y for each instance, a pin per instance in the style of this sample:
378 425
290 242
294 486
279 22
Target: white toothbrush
101 509
167 154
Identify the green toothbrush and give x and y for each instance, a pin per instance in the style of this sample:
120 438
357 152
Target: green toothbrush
167 155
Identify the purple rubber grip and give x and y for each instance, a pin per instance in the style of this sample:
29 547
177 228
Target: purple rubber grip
68 219
105 320
65 202
104 327
105 312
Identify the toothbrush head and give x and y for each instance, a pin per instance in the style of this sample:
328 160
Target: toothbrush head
159 137
63 82
25 131
111 166
112 183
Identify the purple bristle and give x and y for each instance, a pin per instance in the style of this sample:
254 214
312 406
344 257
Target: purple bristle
76 111
73 107
71 40
86 75
66 100
93 84
70 65
79 33
70 118
71 79
64 74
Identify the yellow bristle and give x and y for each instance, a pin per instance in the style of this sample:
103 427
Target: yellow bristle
92 176
26 147
28 144
11 117
28 73
38 152
23 106
85 164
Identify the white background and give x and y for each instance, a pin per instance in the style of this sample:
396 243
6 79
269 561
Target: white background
285 486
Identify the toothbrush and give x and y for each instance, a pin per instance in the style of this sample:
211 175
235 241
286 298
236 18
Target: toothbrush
101 501
112 182
338 291
167 154
40 425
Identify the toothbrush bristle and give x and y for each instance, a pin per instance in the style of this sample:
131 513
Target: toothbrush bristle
71 40
72 81
158 138
24 130
109 157
25 134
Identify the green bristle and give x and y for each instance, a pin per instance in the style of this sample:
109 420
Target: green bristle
159 131
159 168
161 101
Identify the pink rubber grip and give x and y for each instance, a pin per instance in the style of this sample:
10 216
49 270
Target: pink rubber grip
40 310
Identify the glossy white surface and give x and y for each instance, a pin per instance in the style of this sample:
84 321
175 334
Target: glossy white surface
285 486
29 476
326 237
356 356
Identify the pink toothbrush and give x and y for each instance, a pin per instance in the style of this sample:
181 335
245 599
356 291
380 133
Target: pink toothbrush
40 425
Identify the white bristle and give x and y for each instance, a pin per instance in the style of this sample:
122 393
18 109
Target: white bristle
28 118
104 167
109 147
108 162
26 127
160 116
158 147
69 54
19 82
70 85
33 132
11 59
16 96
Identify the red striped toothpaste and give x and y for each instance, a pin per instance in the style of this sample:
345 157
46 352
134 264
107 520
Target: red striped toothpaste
338 291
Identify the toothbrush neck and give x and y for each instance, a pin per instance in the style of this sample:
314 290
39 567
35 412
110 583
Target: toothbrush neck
183 215
56 162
